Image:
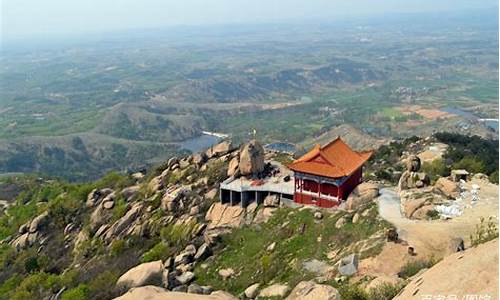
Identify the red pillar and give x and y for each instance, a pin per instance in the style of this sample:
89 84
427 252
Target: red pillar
295 189
319 192
301 186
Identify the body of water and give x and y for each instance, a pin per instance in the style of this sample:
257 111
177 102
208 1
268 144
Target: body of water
281 147
200 143
493 124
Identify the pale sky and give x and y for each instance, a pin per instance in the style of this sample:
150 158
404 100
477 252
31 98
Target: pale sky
24 18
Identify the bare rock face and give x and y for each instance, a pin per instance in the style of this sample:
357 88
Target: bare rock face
361 195
272 201
447 187
38 222
413 163
416 203
469 272
125 221
233 168
130 192
96 196
141 275
223 215
410 180
308 290
252 159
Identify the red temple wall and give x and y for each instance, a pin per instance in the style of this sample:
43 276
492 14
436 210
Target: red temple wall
345 189
313 200
352 182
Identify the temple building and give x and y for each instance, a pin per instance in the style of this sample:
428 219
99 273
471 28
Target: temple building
326 175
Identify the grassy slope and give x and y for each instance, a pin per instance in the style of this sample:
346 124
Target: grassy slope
245 248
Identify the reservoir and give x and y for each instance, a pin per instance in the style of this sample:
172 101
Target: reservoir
199 143
488 123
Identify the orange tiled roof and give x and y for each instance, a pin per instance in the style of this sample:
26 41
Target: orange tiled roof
335 159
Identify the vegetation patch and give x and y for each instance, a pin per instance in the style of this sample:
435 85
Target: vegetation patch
299 238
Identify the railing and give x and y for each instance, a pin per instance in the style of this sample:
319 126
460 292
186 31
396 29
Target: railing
324 196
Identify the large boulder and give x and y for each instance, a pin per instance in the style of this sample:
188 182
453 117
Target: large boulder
125 221
150 273
251 159
361 195
219 149
157 293
233 168
410 180
129 192
417 203
308 290
38 222
413 163
252 291
410 205
447 187
96 195
275 290
223 215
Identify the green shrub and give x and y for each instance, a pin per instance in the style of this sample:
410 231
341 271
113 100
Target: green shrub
432 214
177 234
470 164
119 210
117 247
413 267
353 292
80 292
436 168
159 251
494 177
31 264
485 231
103 285
385 291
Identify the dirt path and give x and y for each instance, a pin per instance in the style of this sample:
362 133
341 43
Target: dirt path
432 237
429 238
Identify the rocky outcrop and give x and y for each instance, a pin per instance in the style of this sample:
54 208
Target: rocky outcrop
130 192
219 149
234 167
448 188
124 222
96 196
158 293
413 163
308 290
223 215
251 159
271 201
412 178
30 232
364 193
150 273
471 272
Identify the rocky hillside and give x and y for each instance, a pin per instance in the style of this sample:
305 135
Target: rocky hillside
164 235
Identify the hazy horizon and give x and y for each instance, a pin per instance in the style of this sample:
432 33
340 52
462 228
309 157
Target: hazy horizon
29 18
